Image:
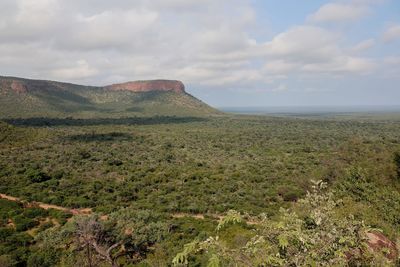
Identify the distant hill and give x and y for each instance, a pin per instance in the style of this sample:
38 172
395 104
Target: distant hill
24 98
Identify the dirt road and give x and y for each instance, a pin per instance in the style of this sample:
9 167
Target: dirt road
45 206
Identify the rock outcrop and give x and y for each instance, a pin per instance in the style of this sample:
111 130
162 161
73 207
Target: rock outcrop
152 85
18 87
12 85
377 242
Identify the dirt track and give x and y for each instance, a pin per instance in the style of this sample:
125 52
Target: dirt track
87 211
375 240
48 206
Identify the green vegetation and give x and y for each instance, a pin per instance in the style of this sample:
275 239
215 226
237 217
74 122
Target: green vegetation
141 176
18 225
317 237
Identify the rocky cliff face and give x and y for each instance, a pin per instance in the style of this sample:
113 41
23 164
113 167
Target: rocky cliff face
13 85
146 86
20 86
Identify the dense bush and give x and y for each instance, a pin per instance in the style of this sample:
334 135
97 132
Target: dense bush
7 206
250 164
35 212
43 259
22 223
37 176
6 232
172 166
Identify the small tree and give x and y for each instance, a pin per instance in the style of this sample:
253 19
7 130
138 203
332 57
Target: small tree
92 241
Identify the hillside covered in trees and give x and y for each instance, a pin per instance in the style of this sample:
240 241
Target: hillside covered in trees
22 98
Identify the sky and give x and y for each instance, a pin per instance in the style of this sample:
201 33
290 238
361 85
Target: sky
237 53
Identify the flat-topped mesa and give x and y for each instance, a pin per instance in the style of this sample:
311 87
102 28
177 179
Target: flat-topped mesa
147 86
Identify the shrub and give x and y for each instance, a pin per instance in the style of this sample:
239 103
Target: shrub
37 176
58 174
84 154
35 213
46 258
59 215
8 206
5 232
290 193
20 240
7 261
22 223
115 162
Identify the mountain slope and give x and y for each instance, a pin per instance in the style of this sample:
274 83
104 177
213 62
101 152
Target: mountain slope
24 98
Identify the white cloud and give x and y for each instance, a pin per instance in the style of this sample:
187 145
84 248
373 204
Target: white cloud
221 41
280 88
340 12
363 45
279 66
109 29
311 49
24 20
392 33
303 43
80 70
205 43
343 64
38 13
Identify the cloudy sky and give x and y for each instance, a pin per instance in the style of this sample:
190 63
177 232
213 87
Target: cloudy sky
227 52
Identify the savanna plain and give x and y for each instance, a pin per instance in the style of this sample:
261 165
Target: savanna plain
213 190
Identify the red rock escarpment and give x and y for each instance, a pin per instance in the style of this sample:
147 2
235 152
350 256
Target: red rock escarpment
146 86
18 87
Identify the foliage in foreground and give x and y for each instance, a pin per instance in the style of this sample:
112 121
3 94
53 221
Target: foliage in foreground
315 238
